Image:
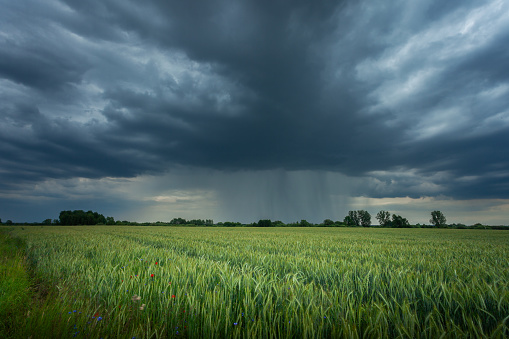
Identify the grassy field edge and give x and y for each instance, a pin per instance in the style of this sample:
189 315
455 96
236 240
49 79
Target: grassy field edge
15 291
31 305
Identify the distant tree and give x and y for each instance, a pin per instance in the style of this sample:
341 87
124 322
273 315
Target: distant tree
351 219
348 221
358 218
399 222
364 218
305 223
79 217
354 216
8 222
97 218
110 221
200 222
264 223
178 221
328 222
438 219
460 226
232 224
0 220
278 223
47 222
56 222
479 226
384 218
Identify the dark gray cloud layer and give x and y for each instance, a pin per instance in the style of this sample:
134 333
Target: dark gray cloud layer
368 89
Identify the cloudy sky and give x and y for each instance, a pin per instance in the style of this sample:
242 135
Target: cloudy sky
244 110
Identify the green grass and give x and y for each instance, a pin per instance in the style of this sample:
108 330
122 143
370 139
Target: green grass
274 282
14 284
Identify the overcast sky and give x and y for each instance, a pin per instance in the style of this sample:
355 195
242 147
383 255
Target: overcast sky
245 110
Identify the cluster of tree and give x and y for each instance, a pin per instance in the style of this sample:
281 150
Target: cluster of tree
358 218
397 221
264 223
197 222
80 217
229 224
8 222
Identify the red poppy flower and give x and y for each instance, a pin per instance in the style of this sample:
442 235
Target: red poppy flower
96 315
152 275
156 262
173 295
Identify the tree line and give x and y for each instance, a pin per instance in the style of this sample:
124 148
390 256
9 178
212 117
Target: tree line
80 217
362 218
359 218
385 219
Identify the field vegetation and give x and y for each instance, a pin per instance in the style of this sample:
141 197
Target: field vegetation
153 282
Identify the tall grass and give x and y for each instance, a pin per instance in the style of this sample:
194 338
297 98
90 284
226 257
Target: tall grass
14 284
251 282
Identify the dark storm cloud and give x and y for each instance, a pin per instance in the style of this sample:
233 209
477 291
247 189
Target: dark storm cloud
274 52
36 148
119 88
39 68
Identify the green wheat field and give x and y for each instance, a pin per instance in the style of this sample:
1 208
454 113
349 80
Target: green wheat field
159 282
